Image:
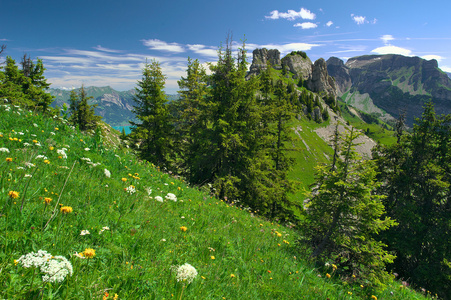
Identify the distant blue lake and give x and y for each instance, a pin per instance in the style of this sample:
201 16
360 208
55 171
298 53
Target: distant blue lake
127 129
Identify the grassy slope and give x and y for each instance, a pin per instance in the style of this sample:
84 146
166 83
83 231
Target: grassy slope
134 257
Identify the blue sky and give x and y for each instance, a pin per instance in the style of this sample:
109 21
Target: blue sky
101 43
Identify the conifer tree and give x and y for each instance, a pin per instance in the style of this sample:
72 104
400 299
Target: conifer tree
82 114
153 131
344 216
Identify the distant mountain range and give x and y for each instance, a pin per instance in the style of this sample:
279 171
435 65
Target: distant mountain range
114 106
387 85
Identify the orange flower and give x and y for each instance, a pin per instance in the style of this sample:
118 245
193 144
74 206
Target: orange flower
183 228
89 253
9 159
47 200
13 194
328 275
66 209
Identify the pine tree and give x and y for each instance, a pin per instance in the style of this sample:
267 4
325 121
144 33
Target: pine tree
344 216
153 131
82 114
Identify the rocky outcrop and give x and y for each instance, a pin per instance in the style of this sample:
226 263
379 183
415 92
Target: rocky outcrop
320 81
261 57
300 66
314 76
394 83
337 69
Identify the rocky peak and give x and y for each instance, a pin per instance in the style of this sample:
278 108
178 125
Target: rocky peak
337 69
320 80
299 64
262 56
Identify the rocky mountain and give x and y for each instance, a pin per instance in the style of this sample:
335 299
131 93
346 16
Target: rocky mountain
390 84
314 76
115 107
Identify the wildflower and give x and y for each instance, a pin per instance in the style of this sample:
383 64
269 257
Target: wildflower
9 159
87 149
106 295
86 159
334 267
163 240
85 232
29 165
232 275
183 228
171 196
47 200
130 189
124 179
185 273
66 209
89 253
327 275
103 229
107 173
79 255
212 257
159 199
62 153
373 297
278 234
13 194
116 296
46 161
41 156
56 269
148 190
4 150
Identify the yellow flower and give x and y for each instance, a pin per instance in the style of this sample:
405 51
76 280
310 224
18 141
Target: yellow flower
56 128
13 194
51 148
35 141
46 161
9 159
349 293
47 200
278 234
15 262
89 253
232 275
66 209
124 179
327 275
183 228
212 257
334 267
373 297
116 296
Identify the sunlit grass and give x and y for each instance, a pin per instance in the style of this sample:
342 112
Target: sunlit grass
98 208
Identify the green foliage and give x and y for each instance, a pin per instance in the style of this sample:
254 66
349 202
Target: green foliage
81 113
152 134
344 216
417 179
28 86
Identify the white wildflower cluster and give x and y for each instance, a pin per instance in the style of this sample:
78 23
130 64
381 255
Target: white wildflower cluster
55 268
6 150
62 153
86 159
107 173
171 196
148 190
41 157
26 144
159 199
94 164
85 232
29 165
185 273
87 149
130 189
35 125
103 229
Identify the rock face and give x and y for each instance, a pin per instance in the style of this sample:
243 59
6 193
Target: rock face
298 65
314 76
337 69
262 56
320 81
393 83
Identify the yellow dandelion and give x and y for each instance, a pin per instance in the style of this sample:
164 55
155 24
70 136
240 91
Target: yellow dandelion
46 161
56 128
278 234
373 297
116 296
16 262
334 267
89 253
47 200
66 209
13 194
183 228
212 257
327 275
9 159
35 141
51 148
124 179
232 275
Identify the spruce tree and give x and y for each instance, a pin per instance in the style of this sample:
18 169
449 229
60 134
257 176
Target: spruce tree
153 131
82 114
344 215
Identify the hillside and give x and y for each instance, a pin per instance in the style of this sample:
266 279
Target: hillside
117 226
386 85
115 107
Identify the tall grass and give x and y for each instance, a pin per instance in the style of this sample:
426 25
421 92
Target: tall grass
134 240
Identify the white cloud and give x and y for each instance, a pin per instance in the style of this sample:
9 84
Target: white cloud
392 50
359 19
438 58
386 38
306 25
446 69
204 50
291 15
328 24
155 44
100 48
